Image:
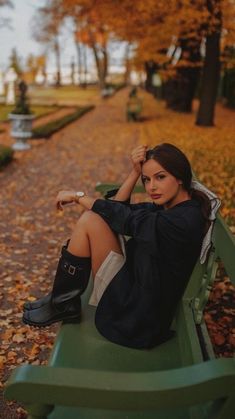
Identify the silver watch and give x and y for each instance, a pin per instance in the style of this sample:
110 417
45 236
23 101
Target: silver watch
79 195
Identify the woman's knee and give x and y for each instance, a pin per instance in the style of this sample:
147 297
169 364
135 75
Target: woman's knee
95 226
89 220
88 216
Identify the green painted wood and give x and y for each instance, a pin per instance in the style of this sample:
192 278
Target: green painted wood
181 387
189 344
38 411
62 413
224 242
81 346
200 299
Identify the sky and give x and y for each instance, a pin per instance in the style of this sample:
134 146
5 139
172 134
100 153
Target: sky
19 35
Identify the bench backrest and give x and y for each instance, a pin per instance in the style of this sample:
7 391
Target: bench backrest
222 253
194 339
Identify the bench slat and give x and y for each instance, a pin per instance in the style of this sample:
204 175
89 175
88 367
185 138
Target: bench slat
224 242
186 386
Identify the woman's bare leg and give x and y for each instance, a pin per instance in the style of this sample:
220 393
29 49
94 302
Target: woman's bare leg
93 237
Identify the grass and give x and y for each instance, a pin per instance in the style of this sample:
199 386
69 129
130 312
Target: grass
38 110
64 94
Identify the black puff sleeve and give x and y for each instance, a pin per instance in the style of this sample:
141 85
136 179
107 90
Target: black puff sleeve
144 225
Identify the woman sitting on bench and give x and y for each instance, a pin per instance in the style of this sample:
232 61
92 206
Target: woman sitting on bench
137 282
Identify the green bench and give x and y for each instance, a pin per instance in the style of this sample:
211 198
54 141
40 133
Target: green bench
88 377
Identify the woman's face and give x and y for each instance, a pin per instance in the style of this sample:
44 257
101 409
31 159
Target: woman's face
163 188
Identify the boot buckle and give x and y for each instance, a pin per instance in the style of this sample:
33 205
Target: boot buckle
71 269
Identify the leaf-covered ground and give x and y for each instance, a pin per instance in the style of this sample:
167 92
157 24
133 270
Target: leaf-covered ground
94 148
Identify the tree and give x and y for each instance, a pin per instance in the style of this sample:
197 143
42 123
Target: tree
212 65
46 29
15 62
96 39
153 25
91 30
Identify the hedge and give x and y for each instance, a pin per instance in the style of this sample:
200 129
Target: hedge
37 109
50 128
6 155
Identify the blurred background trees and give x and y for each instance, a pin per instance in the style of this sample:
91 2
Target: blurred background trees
185 49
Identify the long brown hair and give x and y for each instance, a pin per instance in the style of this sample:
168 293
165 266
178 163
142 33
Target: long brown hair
175 162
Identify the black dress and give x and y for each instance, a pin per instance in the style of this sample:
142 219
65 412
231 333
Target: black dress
138 306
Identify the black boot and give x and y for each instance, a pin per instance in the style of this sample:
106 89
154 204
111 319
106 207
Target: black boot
44 300
64 302
38 303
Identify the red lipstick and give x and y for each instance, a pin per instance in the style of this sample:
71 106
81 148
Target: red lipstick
155 196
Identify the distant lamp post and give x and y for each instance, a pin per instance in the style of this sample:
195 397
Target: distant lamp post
21 120
1 84
10 78
73 72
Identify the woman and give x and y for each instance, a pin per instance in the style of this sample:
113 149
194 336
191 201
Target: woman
139 283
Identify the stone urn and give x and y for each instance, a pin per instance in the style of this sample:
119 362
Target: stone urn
21 120
21 130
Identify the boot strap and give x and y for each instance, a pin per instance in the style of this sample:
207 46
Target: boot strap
71 269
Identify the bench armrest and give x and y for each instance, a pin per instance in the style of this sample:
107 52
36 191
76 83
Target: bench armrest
99 389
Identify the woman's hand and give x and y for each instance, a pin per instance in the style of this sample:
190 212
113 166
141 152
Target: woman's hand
138 157
65 198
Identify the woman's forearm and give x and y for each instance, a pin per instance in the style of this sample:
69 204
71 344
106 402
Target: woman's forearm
86 202
123 193
127 187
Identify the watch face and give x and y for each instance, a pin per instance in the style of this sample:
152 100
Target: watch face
80 194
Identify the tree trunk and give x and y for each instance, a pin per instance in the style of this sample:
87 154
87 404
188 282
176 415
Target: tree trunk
211 69
101 65
179 92
58 72
127 64
85 66
150 69
210 81
78 48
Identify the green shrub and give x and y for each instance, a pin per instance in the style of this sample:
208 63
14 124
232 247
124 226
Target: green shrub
50 128
6 155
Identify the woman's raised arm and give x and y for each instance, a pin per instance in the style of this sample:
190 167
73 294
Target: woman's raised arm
137 158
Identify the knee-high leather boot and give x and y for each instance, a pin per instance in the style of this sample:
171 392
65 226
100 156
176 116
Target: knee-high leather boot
64 302
46 298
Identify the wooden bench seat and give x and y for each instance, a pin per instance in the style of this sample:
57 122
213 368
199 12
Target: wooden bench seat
88 377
